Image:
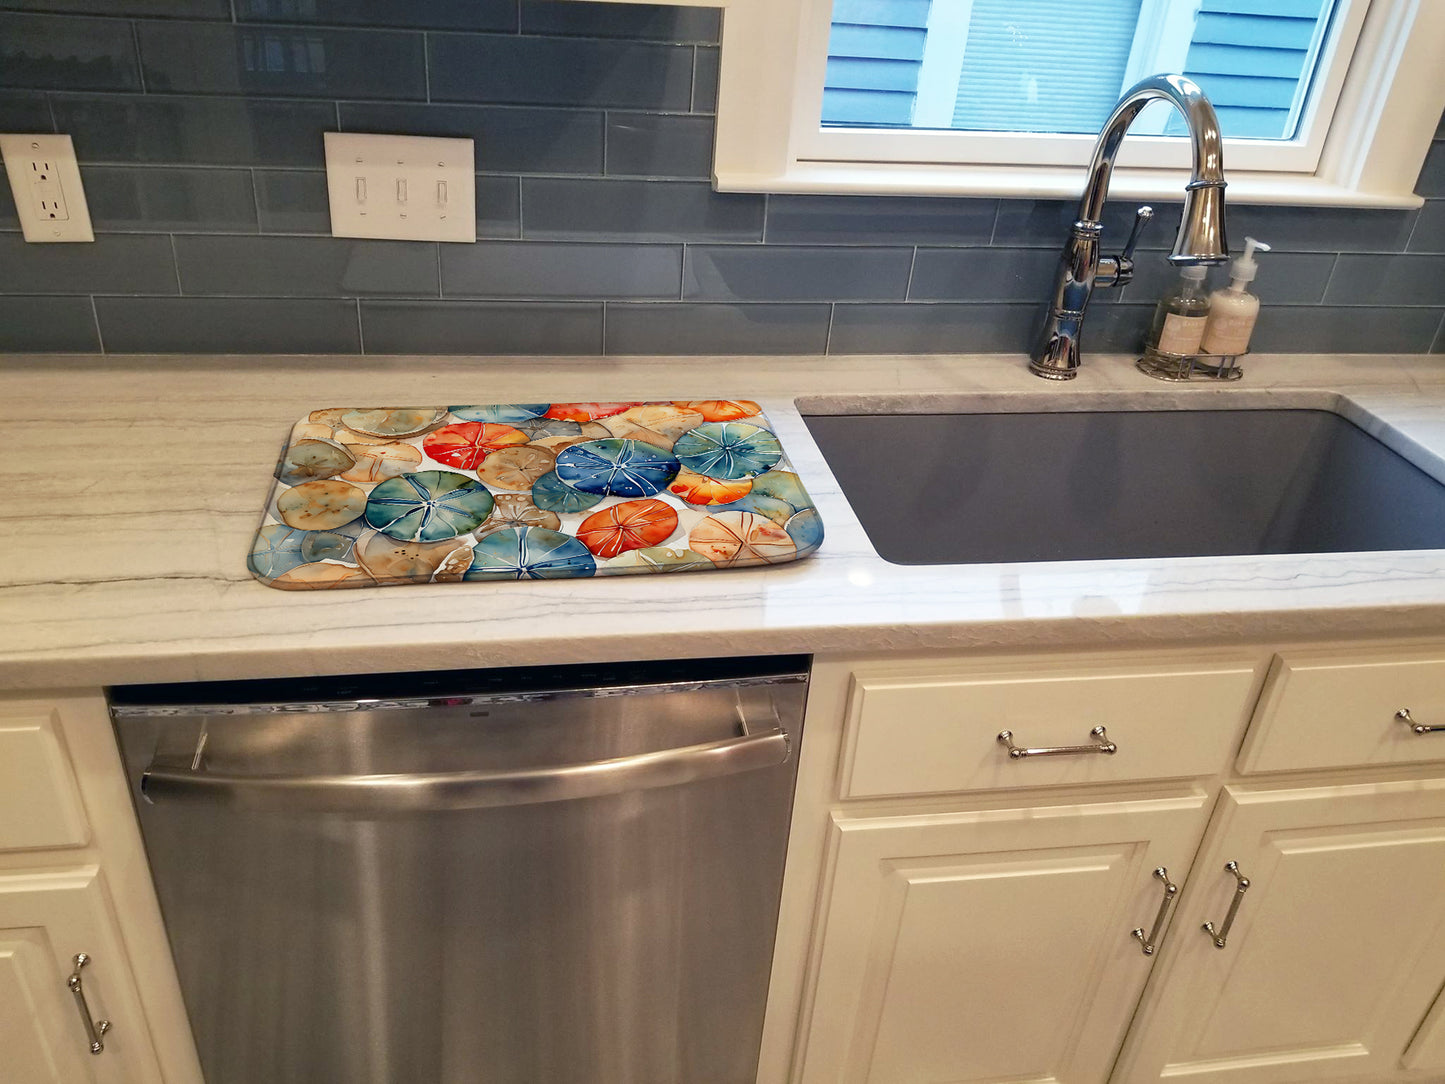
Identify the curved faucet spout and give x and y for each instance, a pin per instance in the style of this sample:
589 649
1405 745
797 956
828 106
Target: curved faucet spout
1201 237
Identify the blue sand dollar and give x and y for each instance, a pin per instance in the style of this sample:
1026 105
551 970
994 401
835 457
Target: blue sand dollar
529 553
784 485
505 413
805 528
623 468
551 494
277 549
428 506
776 510
730 450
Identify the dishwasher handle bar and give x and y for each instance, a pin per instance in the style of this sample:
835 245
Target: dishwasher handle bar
418 792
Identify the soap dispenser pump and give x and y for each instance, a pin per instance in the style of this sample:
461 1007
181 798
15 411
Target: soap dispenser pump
1234 310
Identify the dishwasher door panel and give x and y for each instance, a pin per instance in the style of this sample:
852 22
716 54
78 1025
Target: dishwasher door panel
624 938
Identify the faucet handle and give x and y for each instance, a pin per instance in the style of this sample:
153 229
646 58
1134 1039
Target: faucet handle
1141 219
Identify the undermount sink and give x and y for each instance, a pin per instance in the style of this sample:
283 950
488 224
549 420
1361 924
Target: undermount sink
982 488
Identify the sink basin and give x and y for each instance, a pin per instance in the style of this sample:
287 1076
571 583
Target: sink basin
980 488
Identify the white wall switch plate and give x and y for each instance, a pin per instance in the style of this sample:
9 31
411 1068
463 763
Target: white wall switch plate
412 188
45 181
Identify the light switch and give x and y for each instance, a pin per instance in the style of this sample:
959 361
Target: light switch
379 187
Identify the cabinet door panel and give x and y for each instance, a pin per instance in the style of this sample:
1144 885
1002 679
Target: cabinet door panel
39 803
1339 945
46 917
1427 1049
988 946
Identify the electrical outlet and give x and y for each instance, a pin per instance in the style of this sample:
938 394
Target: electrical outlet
411 188
45 181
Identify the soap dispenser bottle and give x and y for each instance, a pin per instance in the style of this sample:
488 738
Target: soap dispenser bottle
1180 318
1233 310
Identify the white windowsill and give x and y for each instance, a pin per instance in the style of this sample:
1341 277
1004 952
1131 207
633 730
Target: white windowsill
1045 182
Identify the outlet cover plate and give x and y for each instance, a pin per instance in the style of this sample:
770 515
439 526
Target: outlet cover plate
45 181
410 188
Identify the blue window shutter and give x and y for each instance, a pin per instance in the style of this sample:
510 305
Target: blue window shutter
1249 56
874 56
1013 79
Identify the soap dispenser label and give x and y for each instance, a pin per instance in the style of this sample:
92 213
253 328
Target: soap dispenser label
1181 334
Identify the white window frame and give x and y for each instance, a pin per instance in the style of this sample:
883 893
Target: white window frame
1364 139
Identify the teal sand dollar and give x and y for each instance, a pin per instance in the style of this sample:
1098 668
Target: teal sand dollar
529 553
729 450
428 506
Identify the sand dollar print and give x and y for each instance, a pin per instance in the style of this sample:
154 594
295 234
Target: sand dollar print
516 468
516 510
311 458
428 506
630 525
730 450
320 506
621 468
552 494
529 553
378 462
466 444
741 538
506 413
393 422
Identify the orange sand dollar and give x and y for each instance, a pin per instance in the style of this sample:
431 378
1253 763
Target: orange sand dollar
587 412
700 489
630 525
466 444
741 538
720 410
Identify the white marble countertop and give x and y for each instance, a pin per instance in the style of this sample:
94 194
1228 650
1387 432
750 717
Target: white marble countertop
123 563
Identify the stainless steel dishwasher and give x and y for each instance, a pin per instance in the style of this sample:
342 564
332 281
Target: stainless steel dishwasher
563 875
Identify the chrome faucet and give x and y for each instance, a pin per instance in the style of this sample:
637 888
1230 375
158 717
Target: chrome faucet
1201 229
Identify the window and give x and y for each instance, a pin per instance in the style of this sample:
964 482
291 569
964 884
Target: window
1350 127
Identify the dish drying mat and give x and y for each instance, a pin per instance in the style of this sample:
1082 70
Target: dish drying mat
382 496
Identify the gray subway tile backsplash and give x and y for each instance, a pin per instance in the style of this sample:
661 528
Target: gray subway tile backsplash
499 68
481 327
509 139
198 125
432 15
59 51
167 129
208 325
291 201
880 220
24 111
687 328
152 199
313 62
171 9
984 274
545 269
642 22
45 325
1345 330
651 145
1387 280
934 328
305 267
787 273
112 264
562 208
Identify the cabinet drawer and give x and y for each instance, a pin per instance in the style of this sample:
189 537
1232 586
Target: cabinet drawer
39 802
935 733
1324 711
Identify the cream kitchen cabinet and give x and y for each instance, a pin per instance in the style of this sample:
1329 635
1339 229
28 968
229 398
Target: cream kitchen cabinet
945 954
970 916
73 880
1337 949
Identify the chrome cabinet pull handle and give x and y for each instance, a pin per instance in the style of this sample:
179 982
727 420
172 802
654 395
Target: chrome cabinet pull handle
1240 889
1171 893
93 1028
1102 744
1417 728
